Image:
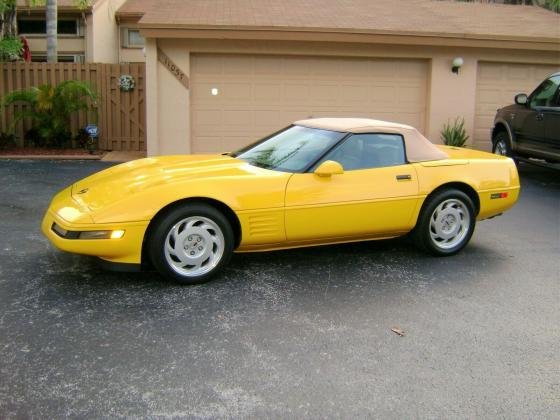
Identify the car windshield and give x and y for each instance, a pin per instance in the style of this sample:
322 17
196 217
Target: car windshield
290 150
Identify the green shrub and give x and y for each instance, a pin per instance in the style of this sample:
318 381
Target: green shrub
454 134
10 49
50 109
7 141
553 5
32 138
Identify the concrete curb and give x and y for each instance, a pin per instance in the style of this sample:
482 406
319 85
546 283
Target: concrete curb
52 157
106 157
116 156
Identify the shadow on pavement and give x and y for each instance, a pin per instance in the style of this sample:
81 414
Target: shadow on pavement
538 175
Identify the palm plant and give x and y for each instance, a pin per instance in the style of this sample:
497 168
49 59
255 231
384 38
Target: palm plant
51 107
52 30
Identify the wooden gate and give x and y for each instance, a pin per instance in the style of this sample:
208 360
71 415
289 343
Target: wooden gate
121 116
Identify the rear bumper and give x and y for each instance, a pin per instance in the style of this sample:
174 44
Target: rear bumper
496 201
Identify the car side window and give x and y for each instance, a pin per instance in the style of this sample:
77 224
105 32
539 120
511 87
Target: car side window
545 94
365 151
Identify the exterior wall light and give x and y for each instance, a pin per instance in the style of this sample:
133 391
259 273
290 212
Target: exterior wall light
214 91
456 64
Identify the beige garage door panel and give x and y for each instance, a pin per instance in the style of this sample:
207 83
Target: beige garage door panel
260 94
497 85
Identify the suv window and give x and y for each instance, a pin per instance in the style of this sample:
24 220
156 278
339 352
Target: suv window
545 94
364 151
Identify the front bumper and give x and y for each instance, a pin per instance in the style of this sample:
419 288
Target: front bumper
127 249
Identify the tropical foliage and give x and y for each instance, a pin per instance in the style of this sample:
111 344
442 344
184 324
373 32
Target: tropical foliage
553 5
8 26
50 108
454 134
10 49
10 46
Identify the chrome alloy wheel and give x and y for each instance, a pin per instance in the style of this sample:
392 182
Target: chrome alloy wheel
449 224
194 246
500 148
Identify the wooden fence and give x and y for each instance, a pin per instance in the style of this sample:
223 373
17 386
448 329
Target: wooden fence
121 116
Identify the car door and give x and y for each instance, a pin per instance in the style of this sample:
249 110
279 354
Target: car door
530 122
552 128
375 196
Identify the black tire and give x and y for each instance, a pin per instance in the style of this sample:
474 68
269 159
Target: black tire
455 214
210 236
501 144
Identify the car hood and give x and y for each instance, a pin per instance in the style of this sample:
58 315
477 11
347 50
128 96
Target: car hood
116 183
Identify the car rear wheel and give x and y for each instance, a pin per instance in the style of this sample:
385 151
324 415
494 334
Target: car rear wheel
446 223
191 243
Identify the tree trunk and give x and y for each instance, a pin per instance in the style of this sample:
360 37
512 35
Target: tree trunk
8 21
52 17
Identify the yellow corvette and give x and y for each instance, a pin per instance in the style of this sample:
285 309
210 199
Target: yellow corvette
318 181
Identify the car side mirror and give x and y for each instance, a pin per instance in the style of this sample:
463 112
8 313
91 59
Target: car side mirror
329 168
521 99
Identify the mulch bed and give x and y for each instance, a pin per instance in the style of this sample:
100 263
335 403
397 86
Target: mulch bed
40 151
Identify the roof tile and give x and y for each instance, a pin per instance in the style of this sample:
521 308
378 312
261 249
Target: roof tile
390 16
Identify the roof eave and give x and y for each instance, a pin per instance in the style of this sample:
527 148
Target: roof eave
349 35
128 16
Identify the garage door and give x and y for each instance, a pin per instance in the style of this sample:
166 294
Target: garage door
237 99
496 86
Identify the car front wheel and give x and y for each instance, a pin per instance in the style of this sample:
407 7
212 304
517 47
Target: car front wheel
446 223
191 243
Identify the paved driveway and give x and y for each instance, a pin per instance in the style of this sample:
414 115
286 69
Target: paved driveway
291 334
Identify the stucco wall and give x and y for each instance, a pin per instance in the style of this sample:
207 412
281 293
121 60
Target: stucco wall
449 95
129 54
103 32
167 111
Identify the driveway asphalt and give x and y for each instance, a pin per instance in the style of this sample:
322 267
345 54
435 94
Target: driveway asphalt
293 334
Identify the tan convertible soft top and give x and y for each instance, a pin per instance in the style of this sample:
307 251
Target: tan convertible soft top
418 147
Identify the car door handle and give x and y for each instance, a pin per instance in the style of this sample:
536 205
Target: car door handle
403 177
540 116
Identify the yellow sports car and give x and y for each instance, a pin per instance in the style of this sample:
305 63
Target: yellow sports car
318 181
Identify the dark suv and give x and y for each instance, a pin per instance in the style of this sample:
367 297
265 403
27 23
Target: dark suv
531 127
